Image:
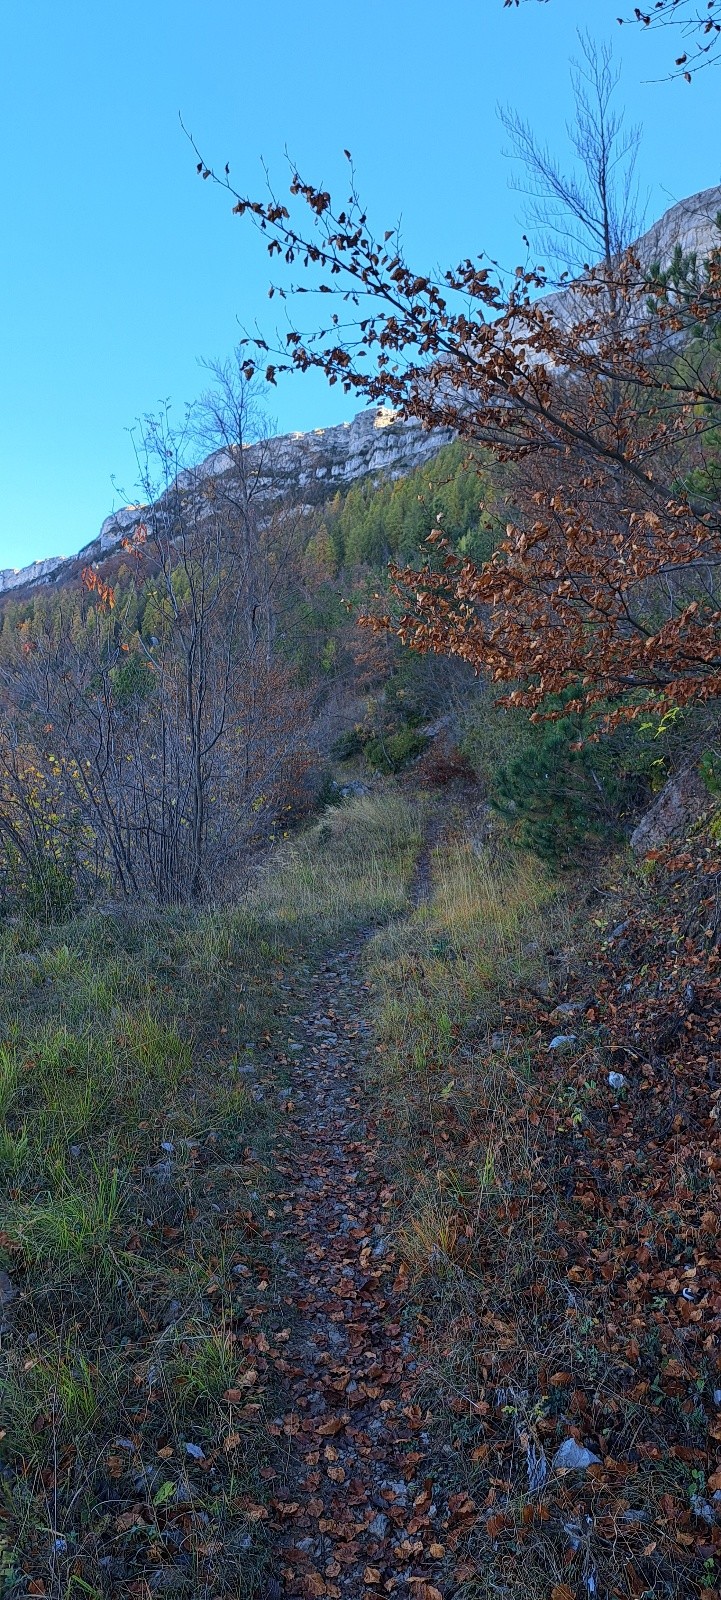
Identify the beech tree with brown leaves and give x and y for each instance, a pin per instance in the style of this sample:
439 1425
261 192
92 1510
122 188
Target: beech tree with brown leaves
604 402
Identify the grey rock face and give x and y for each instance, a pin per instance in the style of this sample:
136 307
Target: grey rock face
305 467
691 224
678 801
310 467
15 577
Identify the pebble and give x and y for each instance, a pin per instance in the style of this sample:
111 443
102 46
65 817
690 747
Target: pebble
573 1457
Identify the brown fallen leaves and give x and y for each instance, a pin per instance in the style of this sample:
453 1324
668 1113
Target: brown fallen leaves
591 1293
355 1510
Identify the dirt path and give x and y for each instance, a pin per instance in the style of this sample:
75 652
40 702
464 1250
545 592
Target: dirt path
356 1512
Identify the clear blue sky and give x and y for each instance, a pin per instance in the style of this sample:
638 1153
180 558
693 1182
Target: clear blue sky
119 268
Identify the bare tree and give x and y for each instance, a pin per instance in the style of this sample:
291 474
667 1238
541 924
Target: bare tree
225 420
218 554
142 758
588 212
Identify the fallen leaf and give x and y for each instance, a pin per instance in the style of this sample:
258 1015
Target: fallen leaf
332 1426
313 1585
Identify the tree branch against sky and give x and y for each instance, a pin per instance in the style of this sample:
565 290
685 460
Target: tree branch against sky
698 25
93 341
588 210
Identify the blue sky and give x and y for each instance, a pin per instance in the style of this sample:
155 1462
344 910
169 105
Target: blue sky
119 269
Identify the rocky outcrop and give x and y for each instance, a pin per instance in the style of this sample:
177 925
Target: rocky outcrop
306 468
691 224
678 802
37 572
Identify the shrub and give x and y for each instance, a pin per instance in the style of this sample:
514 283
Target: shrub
710 771
564 787
391 752
348 744
48 891
566 796
444 764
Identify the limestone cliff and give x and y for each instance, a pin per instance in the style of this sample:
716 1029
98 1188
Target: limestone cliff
306 468
692 224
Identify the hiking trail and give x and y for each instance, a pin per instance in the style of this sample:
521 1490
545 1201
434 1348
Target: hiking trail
353 1505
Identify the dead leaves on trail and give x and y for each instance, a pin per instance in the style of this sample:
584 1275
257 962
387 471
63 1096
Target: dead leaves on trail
354 1506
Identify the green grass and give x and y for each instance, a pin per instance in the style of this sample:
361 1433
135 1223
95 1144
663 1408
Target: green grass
71 1224
440 976
448 1080
353 867
448 966
134 1170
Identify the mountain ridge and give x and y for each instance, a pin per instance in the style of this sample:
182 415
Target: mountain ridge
375 441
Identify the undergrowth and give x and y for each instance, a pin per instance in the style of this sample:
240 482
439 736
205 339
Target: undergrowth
140 1292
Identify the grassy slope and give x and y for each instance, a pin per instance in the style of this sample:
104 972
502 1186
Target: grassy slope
134 1230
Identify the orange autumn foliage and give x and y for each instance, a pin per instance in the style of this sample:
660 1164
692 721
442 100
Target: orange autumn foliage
601 406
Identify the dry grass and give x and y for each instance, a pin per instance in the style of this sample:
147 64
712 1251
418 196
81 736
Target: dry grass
351 868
